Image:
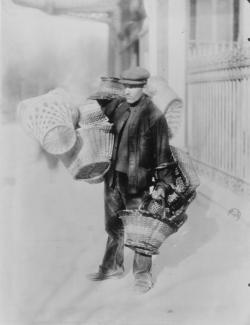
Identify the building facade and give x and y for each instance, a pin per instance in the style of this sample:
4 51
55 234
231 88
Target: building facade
201 48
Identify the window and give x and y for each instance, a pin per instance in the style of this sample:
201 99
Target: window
214 20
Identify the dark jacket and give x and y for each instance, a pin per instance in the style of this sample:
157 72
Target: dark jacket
148 143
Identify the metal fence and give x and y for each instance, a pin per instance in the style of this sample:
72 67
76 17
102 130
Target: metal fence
218 88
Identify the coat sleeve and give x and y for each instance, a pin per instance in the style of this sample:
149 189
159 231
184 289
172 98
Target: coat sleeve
109 106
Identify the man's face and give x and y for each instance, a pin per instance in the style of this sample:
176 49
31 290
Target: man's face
132 93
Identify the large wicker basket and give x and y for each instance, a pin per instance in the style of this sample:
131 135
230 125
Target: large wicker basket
51 119
182 191
147 228
167 101
146 231
89 159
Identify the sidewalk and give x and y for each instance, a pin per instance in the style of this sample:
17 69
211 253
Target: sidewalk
53 235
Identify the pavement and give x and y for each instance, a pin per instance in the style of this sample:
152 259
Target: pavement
52 236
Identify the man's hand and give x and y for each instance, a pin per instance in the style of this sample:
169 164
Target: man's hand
158 193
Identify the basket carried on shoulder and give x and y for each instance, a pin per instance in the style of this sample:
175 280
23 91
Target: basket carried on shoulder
91 114
108 88
168 102
51 119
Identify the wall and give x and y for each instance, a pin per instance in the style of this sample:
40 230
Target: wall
41 206
41 52
244 21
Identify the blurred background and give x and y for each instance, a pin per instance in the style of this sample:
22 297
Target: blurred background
199 48
196 50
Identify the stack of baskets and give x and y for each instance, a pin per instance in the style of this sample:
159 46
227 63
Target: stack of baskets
51 119
54 120
89 160
147 227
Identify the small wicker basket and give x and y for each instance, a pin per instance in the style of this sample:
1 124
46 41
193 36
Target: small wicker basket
51 119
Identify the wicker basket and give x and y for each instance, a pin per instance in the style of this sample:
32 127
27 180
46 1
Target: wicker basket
182 191
89 159
143 232
185 173
51 119
109 88
91 114
167 101
148 227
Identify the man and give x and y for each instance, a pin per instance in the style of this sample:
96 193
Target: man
141 146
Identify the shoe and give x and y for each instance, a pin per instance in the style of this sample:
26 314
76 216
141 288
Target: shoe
143 283
105 274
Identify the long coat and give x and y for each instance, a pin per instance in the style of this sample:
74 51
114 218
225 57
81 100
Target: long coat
148 142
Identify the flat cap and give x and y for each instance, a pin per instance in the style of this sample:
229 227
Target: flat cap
136 76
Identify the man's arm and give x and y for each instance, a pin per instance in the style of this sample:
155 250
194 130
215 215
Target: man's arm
164 161
108 106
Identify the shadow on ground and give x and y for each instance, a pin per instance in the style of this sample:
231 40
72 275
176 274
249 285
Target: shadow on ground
199 229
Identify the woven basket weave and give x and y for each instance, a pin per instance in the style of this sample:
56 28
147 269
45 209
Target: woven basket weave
182 191
147 227
89 159
186 177
91 114
167 101
143 232
109 88
51 119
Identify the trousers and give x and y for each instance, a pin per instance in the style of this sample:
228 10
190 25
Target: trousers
117 198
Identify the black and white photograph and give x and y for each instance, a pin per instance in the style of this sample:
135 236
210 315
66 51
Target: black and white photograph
125 162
